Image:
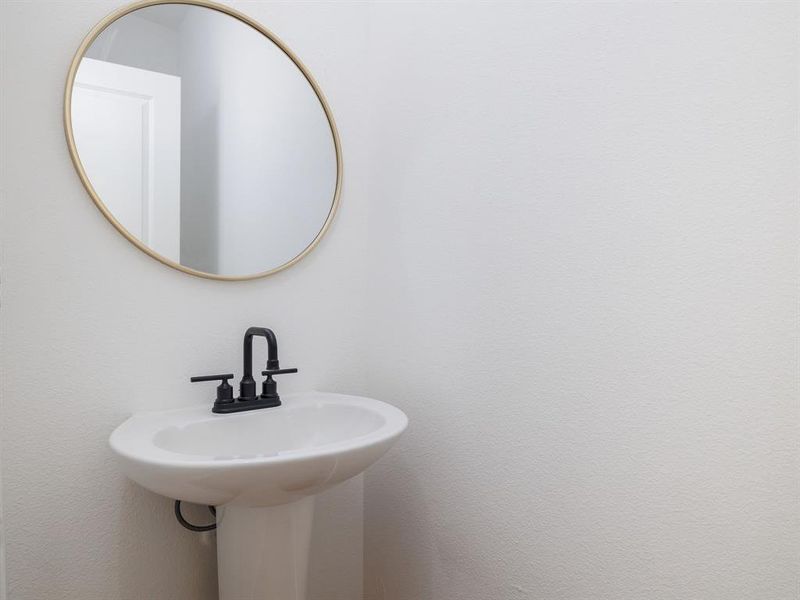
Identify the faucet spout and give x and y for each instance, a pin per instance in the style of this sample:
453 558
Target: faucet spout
247 387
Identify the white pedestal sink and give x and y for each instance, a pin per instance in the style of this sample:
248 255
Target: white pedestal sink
261 468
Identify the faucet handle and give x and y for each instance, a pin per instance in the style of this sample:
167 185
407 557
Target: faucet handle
271 372
269 389
223 378
224 389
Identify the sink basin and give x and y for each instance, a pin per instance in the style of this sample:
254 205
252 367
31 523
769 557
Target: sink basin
261 469
257 458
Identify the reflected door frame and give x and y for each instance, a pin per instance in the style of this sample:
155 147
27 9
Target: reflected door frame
128 133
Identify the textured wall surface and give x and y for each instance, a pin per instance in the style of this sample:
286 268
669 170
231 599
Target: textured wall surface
583 266
92 330
567 249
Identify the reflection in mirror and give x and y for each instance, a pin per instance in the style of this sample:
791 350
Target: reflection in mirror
204 140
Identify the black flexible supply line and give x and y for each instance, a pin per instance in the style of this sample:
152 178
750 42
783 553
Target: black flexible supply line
190 526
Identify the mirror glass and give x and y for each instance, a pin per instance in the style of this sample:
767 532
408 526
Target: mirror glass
203 139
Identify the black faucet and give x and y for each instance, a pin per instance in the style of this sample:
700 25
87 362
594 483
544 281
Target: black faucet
247 400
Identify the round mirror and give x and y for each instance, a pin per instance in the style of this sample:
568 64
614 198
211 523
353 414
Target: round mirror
203 139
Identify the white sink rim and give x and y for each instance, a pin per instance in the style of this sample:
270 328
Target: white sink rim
134 438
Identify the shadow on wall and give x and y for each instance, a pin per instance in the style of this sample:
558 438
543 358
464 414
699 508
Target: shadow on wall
140 511
387 574
200 210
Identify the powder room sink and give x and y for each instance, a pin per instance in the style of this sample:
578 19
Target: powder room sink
261 469
259 458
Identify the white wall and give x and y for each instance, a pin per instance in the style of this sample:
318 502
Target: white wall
141 43
93 329
578 226
583 265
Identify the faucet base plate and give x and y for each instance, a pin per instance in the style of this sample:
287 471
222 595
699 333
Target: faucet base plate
240 405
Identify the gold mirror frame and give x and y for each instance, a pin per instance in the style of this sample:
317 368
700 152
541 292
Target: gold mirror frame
73 151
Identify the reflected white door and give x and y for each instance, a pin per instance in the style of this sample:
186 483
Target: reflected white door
128 134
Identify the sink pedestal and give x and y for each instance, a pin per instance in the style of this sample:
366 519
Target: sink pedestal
262 552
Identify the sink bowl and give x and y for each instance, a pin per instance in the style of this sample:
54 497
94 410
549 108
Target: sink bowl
263 457
261 469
